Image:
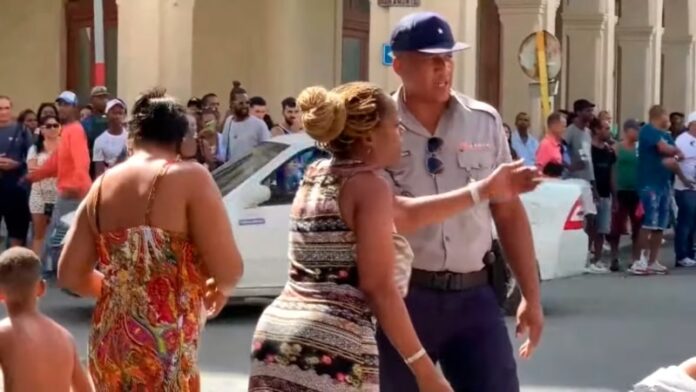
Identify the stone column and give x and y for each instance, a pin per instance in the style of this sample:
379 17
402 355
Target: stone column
588 52
639 35
679 50
155 47
519 18
461 16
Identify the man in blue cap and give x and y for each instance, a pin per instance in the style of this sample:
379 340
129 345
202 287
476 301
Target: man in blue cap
449 141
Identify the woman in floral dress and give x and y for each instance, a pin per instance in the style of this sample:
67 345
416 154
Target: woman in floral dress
160 272
319 334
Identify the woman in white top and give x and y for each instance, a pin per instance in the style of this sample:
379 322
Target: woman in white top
43 193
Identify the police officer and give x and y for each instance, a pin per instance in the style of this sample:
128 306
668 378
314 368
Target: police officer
449 141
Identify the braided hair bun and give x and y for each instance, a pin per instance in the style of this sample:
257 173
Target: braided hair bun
323 113
337 118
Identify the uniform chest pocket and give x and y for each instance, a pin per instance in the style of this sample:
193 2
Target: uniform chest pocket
477 164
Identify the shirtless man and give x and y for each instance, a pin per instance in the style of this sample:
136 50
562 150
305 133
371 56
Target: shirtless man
291 119
36 354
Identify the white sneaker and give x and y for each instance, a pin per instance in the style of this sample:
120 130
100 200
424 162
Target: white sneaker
657 268
687 262
597 268
639 267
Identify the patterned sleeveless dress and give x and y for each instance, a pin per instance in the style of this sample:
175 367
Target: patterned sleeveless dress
319 334
146 325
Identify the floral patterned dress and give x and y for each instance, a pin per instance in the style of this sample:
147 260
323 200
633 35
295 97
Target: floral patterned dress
146 325
318 335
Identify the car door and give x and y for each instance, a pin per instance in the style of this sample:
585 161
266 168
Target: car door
264 230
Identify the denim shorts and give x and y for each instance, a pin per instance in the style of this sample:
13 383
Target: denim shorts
657 203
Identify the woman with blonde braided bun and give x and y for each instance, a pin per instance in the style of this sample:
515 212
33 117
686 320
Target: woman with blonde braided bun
347 264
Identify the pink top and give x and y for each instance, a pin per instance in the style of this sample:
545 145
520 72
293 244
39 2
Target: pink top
549 152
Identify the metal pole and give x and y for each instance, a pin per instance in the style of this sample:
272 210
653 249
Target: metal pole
99 66
543 78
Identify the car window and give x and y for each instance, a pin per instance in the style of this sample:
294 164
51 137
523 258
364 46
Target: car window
286 179
230 175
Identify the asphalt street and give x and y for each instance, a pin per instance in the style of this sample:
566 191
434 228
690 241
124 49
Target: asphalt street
603 333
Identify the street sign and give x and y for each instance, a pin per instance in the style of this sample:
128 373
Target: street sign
387 55
528 55
399 3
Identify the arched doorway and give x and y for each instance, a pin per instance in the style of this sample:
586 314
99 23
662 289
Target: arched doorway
80 45
488 67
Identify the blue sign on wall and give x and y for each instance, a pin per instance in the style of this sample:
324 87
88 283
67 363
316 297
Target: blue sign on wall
387 55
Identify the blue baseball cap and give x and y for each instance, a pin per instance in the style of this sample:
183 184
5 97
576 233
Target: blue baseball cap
425 32
67 97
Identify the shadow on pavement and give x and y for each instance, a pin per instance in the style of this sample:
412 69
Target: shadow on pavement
239 312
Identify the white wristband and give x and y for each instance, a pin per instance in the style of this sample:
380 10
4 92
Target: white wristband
475 196
413 358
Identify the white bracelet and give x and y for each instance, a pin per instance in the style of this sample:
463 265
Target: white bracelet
413 358
475 196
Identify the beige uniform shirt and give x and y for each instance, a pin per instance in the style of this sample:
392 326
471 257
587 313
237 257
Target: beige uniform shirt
474 145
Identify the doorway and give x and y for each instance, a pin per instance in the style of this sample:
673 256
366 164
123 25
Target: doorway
356 40
488 83
80 46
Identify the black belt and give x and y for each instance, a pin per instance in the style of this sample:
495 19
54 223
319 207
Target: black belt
449 281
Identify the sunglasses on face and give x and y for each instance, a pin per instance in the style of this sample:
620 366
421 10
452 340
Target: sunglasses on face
49 126
434 164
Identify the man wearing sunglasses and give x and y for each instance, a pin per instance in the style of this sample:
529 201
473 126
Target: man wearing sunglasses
449 141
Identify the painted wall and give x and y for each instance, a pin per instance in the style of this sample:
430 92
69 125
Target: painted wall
274 48
32 47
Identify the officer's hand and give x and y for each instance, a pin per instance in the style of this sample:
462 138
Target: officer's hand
510 180
530 321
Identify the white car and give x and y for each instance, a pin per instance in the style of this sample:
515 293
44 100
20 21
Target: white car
259 189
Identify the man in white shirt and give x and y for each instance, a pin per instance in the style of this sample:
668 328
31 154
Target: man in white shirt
241 132
110 146
685 196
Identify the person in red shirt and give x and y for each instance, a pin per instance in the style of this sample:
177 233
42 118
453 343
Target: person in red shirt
70 165
549 157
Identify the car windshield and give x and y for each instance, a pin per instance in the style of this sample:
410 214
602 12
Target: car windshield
230 175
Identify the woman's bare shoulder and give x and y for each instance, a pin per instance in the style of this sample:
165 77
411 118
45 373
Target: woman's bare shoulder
188 168
192 176
366 185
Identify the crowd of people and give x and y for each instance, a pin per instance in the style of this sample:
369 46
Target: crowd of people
39 186
642 179
141 242
159 274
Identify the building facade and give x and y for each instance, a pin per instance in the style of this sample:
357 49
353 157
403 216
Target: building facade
625 55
